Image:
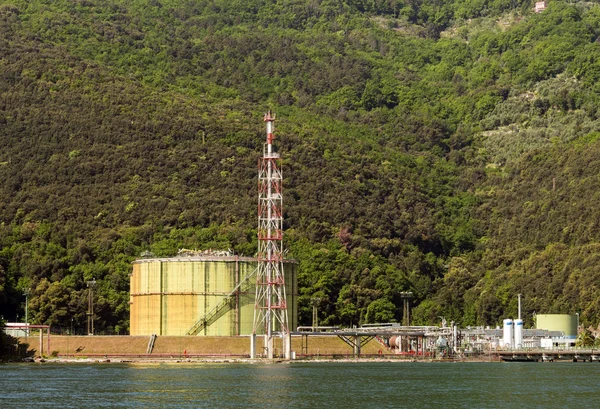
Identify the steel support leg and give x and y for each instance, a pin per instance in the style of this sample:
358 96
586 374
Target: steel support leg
357 346
287 342
253 346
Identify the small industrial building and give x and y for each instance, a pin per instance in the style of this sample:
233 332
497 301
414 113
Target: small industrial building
204 293
16 329
540 6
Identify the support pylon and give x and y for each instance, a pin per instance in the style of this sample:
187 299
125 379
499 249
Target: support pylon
270 308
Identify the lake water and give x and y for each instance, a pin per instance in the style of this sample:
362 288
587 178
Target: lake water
300 385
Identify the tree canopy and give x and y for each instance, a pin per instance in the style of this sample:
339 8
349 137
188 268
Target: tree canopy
444 148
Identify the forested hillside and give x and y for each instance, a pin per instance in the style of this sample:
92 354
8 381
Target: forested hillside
448 148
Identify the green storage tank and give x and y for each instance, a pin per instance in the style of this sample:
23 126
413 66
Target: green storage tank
171 296
566 323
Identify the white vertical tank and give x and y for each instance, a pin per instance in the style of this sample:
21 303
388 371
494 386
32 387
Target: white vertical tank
455 337
507 341
518 333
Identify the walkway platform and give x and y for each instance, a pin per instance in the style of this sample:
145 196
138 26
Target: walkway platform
545 355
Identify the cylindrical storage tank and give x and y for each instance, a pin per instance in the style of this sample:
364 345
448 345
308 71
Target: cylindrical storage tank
395 341
169 296
441 342
400 342
518 328
566 323
507 339
455 337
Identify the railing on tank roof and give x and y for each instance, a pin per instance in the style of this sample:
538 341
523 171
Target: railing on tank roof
200 253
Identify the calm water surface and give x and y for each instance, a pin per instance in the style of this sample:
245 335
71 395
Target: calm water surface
301 385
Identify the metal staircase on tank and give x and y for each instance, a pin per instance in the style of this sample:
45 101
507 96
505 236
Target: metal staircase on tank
208 318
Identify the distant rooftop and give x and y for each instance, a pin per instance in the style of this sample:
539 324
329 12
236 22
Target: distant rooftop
540 6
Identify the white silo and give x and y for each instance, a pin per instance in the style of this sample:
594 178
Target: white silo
518 328
507 341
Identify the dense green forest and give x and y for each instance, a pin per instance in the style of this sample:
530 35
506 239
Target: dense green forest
448 148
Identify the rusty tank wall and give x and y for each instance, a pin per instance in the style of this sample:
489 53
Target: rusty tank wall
169 295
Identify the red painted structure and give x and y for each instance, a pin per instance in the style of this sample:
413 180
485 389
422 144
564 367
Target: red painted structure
270 309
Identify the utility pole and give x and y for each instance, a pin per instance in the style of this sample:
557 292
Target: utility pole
315 320
26 294
406 297
90 313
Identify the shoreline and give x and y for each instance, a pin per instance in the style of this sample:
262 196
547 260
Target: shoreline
240 360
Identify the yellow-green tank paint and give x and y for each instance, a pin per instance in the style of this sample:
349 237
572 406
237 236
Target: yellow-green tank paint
169 295
566 323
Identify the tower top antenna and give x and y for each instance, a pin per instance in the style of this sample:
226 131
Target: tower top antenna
269 116
270 119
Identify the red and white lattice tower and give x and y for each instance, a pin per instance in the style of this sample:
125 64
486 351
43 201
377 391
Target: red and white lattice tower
270 309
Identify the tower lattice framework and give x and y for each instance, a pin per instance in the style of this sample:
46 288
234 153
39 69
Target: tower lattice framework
270 310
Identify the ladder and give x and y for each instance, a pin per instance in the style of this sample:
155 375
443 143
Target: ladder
208 318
